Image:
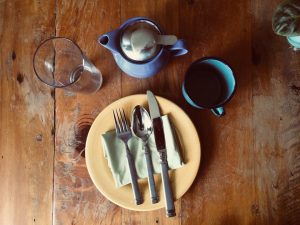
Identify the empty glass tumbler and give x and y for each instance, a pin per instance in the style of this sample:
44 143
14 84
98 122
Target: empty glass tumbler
60 63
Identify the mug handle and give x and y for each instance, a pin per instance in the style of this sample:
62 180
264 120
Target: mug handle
179 48
220 111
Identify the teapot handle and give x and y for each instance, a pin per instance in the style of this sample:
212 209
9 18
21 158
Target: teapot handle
179 48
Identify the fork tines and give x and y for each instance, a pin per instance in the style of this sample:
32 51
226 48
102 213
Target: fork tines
120 121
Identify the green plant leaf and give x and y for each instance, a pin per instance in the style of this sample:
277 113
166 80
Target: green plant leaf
286 18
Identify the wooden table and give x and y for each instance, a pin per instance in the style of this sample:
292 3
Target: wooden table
250 166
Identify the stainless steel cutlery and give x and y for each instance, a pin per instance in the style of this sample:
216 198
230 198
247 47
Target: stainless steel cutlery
123 132
141 125
159 136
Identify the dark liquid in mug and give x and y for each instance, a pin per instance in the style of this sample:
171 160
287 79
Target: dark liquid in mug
204 85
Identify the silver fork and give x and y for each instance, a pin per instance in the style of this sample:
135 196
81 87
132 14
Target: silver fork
124 133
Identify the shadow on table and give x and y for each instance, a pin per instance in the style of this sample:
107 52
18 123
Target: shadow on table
206 131
240 57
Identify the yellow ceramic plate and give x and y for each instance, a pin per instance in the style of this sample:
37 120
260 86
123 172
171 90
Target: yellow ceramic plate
181 179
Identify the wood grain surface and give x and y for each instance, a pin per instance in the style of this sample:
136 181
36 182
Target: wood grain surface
250 165
26 116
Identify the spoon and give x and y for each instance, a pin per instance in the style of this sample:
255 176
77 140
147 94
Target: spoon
141 125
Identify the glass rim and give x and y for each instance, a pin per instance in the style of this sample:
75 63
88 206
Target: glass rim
40 45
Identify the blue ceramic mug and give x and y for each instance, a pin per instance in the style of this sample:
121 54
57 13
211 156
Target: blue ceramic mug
209 83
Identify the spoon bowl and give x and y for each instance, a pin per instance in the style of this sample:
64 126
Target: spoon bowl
141 123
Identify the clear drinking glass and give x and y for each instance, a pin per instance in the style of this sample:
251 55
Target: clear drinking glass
60 63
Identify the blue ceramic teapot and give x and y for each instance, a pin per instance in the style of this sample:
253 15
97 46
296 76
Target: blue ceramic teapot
140 47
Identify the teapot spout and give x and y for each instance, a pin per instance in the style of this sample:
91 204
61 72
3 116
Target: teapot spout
109 40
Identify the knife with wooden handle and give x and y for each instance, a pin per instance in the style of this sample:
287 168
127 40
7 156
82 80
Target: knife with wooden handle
160 142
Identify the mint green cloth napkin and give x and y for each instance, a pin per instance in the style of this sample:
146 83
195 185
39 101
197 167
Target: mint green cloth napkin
115 153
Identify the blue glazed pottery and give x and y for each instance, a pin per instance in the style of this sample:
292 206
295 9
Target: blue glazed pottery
294 41
209 83
116 40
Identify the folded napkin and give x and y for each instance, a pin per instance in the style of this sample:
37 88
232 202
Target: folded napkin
115 153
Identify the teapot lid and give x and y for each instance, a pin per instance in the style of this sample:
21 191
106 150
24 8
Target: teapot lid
138 41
